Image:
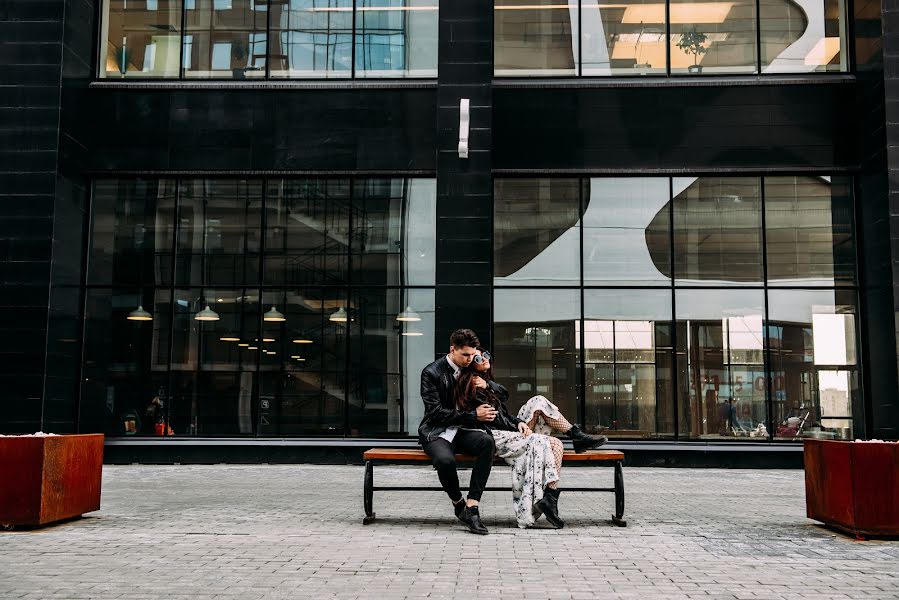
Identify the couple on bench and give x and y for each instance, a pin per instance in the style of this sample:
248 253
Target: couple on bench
465 412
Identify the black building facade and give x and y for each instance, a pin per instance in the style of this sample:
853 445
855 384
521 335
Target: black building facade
236 223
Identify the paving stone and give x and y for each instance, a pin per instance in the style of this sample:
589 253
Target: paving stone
272 532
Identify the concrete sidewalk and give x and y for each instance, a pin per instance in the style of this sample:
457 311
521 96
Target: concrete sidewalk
245 532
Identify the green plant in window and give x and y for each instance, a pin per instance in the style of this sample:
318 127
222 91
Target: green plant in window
691 42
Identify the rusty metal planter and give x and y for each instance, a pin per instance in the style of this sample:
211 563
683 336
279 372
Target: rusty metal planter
49 478
853 486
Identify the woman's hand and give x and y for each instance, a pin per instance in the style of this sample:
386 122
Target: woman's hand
524 430
478 382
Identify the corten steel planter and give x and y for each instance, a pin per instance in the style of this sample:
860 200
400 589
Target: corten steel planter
853 486
49 478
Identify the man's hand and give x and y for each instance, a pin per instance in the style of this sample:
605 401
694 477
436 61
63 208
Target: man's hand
485 412
478 382
524 430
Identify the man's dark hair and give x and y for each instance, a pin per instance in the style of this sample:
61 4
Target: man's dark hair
464 337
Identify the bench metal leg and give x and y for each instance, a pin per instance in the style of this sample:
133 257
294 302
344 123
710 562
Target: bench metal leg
368 493
619 496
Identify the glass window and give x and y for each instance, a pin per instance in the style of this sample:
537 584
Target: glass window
126 360
132 237
387 357
802 36
535 37
536 231
312 38
627 238
307 233
226 40
628 362
623 38
535 346
384 213
809 229
717 230
218 232
721 364
396 38
142 38
814 373
709 36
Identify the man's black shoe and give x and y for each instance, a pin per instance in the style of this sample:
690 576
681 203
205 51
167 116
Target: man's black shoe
472 518
582 441
549 506
459 508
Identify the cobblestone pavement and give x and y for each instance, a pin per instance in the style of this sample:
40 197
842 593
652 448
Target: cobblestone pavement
246 532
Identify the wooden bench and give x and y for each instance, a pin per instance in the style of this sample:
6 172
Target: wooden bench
402 455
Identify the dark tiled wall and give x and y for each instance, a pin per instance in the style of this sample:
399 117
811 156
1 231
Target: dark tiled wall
30 69
464 185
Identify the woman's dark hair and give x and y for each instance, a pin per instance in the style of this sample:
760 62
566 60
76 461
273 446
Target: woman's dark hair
468 396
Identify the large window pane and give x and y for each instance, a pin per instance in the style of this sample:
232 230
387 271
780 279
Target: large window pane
387 358
721 364
535 349
717 230
628 358
142 38
536 237
218 232
810 233
535 37
623 38
132 235
312 38
126 354
627 238
709 36
812 336
394 231
307 231
396 38
803 36
225 39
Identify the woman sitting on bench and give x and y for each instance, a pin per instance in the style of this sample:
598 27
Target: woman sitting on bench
525 441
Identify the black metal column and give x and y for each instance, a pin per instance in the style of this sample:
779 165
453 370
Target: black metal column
464 185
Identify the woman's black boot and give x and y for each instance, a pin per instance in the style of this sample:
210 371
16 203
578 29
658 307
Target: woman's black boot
549 506
582 441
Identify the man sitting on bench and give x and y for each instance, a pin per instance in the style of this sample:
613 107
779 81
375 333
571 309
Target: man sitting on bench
444 430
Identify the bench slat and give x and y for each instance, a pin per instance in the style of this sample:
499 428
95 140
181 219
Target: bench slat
411 454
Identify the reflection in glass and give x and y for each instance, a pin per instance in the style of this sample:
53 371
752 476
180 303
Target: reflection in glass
626 231
312 38
142 38
219 232
536 237
802 36
809 227
717 231
535 37
125 363
386 357
385 212
710 36
623 38
721 363
535 348
628 360
396 38
225 39
307 231
812 336
132 236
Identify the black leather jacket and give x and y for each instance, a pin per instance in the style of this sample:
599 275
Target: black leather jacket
440 406
504 419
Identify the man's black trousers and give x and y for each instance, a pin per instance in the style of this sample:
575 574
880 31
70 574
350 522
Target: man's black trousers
467 441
